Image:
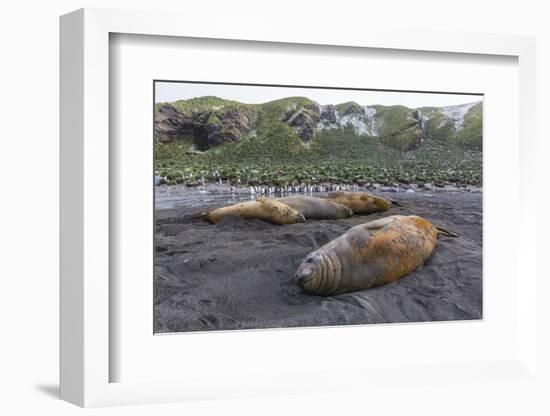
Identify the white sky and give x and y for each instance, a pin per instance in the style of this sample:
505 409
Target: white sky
172 91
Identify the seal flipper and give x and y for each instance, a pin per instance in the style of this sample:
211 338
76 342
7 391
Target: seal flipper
379 223
205 215
396 203
445 232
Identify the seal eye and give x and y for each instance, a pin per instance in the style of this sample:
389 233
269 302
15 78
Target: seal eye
309 260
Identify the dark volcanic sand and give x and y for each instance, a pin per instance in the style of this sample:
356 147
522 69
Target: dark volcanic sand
239 274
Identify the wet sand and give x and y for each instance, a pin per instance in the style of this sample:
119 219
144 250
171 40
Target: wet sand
239 274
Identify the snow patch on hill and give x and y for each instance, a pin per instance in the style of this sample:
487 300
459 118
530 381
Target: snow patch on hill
361 123
457 113
356 121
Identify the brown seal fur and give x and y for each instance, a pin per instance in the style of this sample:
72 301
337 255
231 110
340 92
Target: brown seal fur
317 208
369 255
360 203
266 209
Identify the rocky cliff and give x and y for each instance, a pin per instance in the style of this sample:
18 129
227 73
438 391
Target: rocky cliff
206 121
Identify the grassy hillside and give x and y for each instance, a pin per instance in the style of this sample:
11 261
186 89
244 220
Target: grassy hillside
471 134
398 128
275 110
442 128
350 107
336 156
439 126
268 145
208 104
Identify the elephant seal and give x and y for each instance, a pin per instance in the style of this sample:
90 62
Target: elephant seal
361 203
317 208
368 255
266 209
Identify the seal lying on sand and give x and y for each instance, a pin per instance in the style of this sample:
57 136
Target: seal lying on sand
266 209
317 208
369 255
361 203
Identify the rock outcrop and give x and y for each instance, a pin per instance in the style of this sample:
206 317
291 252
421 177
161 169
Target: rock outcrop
170 123
303 120
207 127
328 114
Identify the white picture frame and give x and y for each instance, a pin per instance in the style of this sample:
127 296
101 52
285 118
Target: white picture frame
85 210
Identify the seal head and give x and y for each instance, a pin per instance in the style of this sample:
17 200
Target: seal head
320 272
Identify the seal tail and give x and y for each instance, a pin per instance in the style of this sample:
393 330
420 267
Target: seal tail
201 215
396 203
445 232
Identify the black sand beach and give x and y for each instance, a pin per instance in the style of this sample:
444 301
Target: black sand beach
239 274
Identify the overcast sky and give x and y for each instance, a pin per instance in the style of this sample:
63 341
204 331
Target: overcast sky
172 91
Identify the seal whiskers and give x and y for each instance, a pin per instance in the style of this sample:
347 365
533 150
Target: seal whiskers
320 272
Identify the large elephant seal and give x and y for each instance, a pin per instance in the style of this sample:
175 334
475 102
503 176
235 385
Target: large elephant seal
361 203
266 209
317 208
369 255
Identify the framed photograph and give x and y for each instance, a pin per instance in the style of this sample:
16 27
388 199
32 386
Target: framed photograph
285 206
310 204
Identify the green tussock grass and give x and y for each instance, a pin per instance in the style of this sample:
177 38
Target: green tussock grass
208 104
441 128
273 153
399 128
278 157
350 107
471 135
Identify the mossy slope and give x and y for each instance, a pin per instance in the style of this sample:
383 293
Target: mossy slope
280 142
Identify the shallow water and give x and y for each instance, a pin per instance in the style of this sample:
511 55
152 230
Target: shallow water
179 197
174 199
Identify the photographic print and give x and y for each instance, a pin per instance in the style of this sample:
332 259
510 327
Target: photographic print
288 206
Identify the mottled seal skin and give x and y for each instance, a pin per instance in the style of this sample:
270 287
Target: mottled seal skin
317 208
361 203
266 209
369 255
